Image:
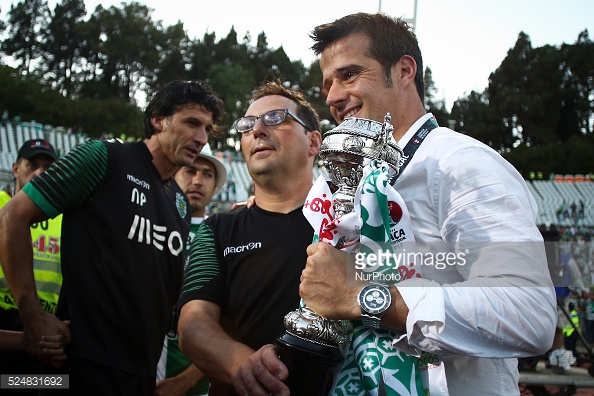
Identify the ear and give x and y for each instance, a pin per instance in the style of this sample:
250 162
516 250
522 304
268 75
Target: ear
315 143
157 123
404 70
15 169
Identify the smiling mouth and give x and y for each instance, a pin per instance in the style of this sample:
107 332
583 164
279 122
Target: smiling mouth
352 112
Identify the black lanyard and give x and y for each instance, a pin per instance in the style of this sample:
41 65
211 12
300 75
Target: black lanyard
413 145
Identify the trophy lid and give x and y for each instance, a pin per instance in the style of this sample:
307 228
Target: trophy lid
360 138
359 126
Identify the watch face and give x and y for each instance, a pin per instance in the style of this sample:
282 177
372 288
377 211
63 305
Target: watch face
375 299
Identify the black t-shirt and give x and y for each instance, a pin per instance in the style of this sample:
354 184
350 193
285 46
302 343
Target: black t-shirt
248 261
123 247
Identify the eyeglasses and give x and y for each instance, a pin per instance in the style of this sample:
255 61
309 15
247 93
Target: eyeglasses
270 118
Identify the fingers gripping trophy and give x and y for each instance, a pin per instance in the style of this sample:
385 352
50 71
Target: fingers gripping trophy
313 347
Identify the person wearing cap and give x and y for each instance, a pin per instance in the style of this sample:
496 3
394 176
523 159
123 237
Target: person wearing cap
124 230
176 375
33 158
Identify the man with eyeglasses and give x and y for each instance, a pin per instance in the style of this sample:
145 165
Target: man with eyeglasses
243 275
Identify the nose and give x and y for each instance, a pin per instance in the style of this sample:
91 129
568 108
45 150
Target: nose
201 136
336 95
197 179
259 129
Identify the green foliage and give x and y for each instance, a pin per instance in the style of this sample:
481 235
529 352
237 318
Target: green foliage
538 108
130 42
573 157
30 99
433 104
61 56
27 21
26 96
113 116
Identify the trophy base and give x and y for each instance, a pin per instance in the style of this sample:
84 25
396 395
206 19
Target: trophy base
313 368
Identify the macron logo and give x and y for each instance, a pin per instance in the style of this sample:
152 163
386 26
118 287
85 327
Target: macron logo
139 182
239 249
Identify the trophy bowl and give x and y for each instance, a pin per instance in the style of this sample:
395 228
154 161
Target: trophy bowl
313 348
347 148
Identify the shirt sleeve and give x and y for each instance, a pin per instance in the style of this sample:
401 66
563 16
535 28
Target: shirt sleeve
505 305
71 181
204 277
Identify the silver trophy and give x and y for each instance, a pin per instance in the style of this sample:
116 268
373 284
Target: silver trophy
313 347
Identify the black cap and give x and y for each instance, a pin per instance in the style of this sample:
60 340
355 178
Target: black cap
31 148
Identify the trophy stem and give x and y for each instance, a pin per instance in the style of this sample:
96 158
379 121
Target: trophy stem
313 348
344 200
313 368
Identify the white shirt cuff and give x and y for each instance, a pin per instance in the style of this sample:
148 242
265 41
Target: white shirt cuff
426 315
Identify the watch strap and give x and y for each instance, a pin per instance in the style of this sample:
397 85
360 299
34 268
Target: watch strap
371 321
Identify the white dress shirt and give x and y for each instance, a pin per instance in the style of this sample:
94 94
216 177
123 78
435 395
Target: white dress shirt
497 302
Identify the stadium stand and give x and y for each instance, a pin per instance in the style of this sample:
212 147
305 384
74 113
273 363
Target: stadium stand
565 200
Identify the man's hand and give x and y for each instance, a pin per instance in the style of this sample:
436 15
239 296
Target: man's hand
324 283
45 335
53 347
262 374
249 203
181 383
172 387
326 289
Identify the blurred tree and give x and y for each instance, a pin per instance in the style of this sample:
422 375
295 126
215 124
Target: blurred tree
29 97
108 117
2 24
61 46
471 116
507 92
232 83
91 58
433 104
27 22
201 56
315 94
174 63
128 48
578 87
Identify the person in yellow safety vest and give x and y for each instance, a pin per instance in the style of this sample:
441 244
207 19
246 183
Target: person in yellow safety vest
4 198
571 336
33 158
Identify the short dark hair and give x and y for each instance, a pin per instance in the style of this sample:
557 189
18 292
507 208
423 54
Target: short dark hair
305 111
177 94
391 39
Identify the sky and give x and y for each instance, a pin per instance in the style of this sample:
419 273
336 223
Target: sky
462 41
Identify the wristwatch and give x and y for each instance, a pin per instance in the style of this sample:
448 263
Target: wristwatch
374 300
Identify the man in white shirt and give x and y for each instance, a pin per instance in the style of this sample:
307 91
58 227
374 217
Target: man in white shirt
478 315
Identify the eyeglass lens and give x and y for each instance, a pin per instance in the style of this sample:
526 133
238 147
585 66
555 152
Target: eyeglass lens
270 118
